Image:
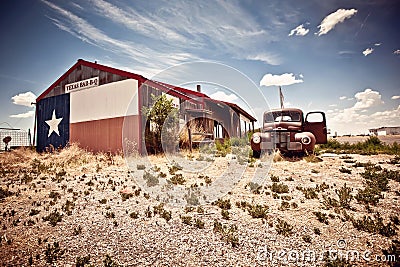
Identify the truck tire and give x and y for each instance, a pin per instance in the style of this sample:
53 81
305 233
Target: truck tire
256 154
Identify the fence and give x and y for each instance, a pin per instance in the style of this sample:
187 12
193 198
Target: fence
18 138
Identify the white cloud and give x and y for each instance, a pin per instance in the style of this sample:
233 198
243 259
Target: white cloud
299 31
396 52
24 99
395 97
358 118
342 97
367 99
333 105
220 95
162 30
270 59
276 80
368 51
377 44
28 114
330 21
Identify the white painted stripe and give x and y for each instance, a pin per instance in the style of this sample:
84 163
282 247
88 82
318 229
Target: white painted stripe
106 101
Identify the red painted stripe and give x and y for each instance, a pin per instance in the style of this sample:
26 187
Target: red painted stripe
105 135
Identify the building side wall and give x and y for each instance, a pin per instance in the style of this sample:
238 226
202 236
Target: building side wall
105 135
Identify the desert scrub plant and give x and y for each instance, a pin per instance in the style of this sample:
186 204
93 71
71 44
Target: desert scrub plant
317 231
312 158
223 204
53 252
5 193
254 187
68 207
307 238
321 217
34 212
345 170
125 195
375 177
174 168
53 218
110 215
283 228
279 188
375 225
78 230
344 196
54 195
140 167
109 262
225 214
151 180
228 234
309 193
368 196
186 219
177 179
199 223
159 209
329 202
257 211
274 178
284 206
82 261
134 215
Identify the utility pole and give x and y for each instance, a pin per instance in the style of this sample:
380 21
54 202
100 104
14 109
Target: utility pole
281 97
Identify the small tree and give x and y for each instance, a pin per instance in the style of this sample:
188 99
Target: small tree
163 117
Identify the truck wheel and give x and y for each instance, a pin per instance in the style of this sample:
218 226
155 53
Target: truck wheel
256 154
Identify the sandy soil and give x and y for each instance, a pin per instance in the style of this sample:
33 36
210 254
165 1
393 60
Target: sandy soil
98 198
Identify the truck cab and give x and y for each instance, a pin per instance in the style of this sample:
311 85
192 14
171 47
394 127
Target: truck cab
289 131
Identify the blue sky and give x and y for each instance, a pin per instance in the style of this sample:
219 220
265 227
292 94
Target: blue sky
341 57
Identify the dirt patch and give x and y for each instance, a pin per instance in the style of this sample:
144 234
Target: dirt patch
101 215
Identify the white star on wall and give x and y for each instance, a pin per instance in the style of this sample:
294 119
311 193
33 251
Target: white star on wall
53 123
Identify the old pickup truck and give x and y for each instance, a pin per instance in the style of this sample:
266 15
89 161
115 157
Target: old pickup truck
289 131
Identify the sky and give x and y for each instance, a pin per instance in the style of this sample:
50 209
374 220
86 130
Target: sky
340 57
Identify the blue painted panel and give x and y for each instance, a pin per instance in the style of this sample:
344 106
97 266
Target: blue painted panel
53 122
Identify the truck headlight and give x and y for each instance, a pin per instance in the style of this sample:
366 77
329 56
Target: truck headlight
305 140
256 139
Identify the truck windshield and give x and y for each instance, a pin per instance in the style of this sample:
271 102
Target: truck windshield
278 116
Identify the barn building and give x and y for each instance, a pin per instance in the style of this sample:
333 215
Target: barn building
90 103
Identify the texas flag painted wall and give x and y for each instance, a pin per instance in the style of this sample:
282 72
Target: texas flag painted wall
92 117
53 122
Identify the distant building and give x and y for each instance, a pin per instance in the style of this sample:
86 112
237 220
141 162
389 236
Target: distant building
386 131
91 103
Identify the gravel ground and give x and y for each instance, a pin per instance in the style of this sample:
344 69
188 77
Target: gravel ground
103 197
